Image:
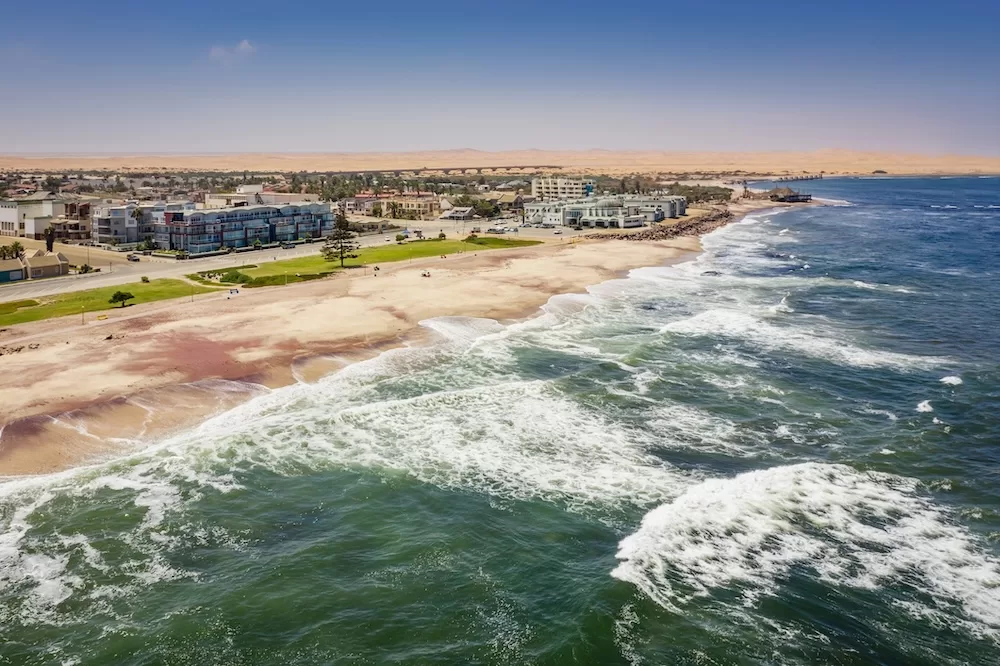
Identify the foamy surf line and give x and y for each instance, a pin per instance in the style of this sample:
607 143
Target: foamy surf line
861 530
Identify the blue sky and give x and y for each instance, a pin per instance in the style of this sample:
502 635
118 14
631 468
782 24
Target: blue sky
391 76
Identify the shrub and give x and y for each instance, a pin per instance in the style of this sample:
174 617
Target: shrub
400 238
120 297
144 278
234 276
86 268
441 236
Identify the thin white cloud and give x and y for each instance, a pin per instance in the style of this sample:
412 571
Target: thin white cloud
228 56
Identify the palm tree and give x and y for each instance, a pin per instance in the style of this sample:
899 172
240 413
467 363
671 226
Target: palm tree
16 250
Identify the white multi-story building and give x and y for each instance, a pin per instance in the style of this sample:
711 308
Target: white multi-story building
613 212
254 195
561 188
115 224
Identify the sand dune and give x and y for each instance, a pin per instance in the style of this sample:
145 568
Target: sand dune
588 161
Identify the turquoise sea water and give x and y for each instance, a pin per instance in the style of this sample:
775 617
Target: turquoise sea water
784 452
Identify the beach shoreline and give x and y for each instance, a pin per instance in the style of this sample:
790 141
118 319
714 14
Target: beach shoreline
91 392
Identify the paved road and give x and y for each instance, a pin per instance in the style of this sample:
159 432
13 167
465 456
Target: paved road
125 272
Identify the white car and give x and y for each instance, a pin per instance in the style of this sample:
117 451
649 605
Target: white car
557 231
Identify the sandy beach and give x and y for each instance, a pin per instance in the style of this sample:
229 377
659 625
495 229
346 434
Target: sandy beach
79 390
75 391
844 162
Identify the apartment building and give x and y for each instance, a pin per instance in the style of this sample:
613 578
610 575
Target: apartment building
30 216
115 224
611 212
403 206
203 230
561 188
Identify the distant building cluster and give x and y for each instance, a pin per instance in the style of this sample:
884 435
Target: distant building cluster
254 215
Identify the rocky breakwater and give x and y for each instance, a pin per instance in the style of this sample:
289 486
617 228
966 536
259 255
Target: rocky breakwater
695 227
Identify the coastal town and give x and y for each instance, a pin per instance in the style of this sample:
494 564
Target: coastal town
191 216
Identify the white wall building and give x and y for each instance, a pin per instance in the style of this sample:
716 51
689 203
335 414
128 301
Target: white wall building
254 195
561 188
30 216
8 218
613 212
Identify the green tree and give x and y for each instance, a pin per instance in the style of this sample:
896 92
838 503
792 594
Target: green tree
377 209
50 238
16 250
340 244
120 297
393 209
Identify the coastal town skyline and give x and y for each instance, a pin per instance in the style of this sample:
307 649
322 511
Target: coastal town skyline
249 77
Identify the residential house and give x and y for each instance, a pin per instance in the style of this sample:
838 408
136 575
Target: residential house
44 264
459 213
506 200
11 270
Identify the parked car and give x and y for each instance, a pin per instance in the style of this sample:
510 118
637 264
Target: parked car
557 231
287 246
132 257
477 230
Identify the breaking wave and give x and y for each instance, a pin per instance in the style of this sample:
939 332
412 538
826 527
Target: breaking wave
858 529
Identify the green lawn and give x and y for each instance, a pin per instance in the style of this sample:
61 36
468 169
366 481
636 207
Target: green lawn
314 266
14 306
93 300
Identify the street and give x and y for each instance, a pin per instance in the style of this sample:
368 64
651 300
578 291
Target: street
118 270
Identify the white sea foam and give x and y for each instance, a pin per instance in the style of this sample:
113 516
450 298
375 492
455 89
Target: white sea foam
881 412
925 406
801 340
951 380
851 528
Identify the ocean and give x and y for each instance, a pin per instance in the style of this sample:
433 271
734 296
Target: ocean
785 451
